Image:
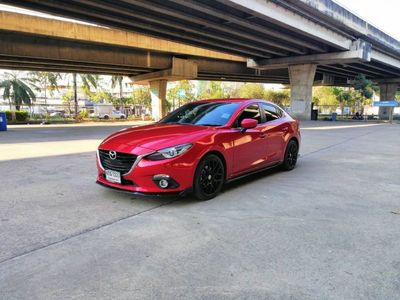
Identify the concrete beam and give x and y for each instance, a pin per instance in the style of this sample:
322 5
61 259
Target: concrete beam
385 59
281 16
301 83
181 69
360 52
95 34
388 80
28 52
340 17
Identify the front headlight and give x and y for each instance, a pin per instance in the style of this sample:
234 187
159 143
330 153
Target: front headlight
169 152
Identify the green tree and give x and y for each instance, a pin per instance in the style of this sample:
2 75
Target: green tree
211 90
141 96
251 90
231 89
17 90
104 97
181 93
281 97
323 95
46 81
117 80
364 90
68 98
342 96
88 81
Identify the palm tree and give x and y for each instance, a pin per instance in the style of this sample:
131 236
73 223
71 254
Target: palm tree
46 81
116 79
88 80
17 90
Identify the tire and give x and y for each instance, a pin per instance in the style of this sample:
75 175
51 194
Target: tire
209 178
291 155
106 117
122 117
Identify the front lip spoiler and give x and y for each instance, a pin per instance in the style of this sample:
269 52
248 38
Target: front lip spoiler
150 195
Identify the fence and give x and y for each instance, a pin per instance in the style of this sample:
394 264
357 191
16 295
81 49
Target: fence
67 110
350 112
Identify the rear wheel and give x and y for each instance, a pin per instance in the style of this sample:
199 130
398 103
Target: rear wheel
209 177
106 117
291 154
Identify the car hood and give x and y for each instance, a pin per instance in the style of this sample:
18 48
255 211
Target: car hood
153 137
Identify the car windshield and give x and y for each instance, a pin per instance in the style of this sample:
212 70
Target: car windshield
202 113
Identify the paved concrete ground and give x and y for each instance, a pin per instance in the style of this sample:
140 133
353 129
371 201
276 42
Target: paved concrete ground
326 230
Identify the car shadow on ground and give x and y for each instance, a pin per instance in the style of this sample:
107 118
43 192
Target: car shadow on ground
230 186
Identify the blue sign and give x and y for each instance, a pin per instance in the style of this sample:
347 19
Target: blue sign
388 103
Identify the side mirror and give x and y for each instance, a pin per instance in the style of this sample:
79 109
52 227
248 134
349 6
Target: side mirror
248 124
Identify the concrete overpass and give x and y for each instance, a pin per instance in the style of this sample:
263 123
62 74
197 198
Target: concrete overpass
297 42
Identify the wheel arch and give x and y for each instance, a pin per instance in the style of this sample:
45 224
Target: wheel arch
220 155
293 138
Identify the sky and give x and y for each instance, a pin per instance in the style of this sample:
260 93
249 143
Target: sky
384 14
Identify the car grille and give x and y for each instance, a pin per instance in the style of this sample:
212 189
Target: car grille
122 163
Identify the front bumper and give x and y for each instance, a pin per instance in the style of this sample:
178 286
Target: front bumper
166 195
140 180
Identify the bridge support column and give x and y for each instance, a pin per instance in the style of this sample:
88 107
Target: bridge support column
158 91
387 91
301 82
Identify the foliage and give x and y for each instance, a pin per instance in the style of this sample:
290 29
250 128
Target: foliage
83 114
45 80
89 81
364 86
324 95
181 93
117 80
342 95
103 97
17 90
20 115
141 95
281 97
252 90
211 90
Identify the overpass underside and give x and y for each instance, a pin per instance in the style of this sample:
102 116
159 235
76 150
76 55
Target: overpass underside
300 43
25 51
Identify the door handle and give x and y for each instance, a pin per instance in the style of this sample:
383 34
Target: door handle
285 128
263 135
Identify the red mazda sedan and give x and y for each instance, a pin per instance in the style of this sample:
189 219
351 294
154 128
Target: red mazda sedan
199 147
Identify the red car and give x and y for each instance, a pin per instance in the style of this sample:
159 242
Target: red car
199 147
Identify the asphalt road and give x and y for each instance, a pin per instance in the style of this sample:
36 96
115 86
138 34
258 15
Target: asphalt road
330 229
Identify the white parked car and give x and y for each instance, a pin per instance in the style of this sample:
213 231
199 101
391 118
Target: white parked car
115 114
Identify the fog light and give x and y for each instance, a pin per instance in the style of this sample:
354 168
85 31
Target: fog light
163 183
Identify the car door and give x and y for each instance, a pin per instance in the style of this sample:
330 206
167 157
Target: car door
275 129
249 146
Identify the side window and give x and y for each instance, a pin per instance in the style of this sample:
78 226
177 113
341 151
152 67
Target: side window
271 112
250 112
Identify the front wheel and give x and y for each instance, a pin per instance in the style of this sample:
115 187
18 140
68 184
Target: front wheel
291 154
209 177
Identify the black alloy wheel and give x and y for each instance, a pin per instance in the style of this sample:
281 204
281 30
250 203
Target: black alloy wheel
291 154
209 177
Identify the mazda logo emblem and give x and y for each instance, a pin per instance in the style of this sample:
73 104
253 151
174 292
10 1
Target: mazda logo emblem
112 155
